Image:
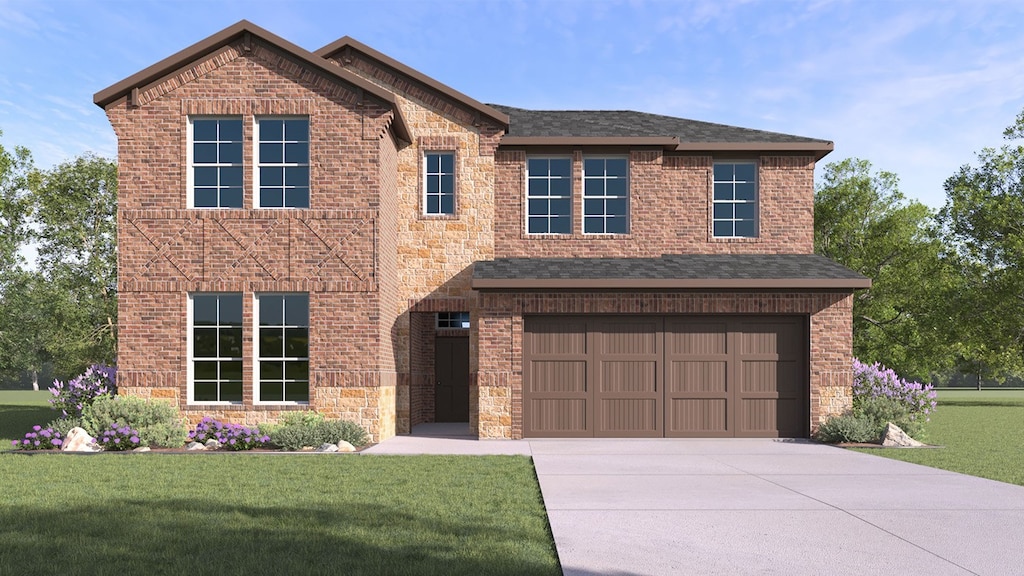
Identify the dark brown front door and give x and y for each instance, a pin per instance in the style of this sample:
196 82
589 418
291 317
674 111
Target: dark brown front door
451 379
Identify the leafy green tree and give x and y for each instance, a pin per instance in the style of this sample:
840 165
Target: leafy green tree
75 214
983 223
15 170
863 221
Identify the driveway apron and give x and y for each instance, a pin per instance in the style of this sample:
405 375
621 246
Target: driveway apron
738 506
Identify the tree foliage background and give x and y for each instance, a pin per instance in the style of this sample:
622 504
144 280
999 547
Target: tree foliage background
58 264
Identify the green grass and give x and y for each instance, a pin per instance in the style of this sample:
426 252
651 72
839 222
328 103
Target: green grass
981 434
20 410
271 514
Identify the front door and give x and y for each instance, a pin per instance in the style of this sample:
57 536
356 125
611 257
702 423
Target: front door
451 379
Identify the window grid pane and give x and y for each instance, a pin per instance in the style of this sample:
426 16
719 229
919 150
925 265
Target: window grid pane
458 320
439 180
283 349
217 162
283 162
606 196
549 196
216 348
734 211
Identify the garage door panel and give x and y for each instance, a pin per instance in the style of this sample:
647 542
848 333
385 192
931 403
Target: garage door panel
696 376
696 417
558 376
689 338
628 417
566 417
623 376
628 338
677 376
556 337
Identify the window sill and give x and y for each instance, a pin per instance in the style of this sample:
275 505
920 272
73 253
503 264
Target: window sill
438 216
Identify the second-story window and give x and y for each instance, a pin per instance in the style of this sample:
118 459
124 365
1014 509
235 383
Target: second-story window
735 200
439 183
282 162
215 154
605 196
549 196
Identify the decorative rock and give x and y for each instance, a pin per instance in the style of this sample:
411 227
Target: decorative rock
78 440
895 436
212 444
306 449
141 449
345 447
327 448
195 446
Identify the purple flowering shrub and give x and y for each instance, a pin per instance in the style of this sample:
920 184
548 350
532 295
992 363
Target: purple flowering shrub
230 436
117 438
72 398
40 439
882 396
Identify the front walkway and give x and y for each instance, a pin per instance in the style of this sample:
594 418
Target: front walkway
651 507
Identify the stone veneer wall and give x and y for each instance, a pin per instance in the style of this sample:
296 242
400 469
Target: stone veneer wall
500 378
167 250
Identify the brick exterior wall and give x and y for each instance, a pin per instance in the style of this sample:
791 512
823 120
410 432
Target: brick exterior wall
670 208
340 250
500 333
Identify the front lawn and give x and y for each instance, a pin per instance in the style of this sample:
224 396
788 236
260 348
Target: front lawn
20 410
982 434
271 514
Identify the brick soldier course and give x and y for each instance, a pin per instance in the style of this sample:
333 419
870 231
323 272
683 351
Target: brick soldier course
377 268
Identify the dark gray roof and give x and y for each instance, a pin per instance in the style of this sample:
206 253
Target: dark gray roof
627 123
678 271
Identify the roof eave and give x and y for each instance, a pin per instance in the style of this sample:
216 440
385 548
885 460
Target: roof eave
349 42
671 283
108 95
818 148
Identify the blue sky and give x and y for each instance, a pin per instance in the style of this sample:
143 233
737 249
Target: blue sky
916 87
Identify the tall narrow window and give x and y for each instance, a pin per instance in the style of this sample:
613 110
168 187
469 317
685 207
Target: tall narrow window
439 179
216 347
735 200
605 196
283 347
282 162
549 196
215 154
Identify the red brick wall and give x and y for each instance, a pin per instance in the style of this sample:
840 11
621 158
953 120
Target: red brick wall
500 333
670 209
329 250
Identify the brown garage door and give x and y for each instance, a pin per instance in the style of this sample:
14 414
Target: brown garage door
676 376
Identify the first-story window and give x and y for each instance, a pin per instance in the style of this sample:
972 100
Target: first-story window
549 196
734 203
215 157
216 347
605 196
457 320
439 183
282 162
282 347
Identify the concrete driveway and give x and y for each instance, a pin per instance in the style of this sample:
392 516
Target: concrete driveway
623 507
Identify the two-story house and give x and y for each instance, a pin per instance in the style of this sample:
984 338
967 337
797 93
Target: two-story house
336 231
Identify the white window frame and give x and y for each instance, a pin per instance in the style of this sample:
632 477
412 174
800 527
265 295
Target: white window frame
427 173
259 358
756 202
257 163
190 156
190 346
605 197
526 203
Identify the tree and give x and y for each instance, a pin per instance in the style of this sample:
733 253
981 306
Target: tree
862 220
983 223
15 169
75 213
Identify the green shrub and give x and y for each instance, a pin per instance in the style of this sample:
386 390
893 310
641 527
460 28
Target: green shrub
300 429
158 423
64 425
848 427
881 410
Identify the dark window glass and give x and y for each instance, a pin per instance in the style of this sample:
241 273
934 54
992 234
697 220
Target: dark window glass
296 391
735 200
549 201
283 347
284 163
216 347
440 183
216 163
